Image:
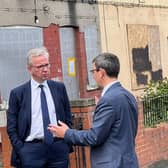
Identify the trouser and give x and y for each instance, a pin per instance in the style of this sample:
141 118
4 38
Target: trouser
37 154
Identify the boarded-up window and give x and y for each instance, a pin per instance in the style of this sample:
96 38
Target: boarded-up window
68 54
92 50
144 52
15 42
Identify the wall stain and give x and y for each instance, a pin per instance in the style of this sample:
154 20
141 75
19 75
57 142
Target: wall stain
142 64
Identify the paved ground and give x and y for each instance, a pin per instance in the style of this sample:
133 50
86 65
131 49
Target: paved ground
160 164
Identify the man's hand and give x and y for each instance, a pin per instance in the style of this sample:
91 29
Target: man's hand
96 99
58 130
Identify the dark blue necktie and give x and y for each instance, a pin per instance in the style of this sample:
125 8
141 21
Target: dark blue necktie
48 137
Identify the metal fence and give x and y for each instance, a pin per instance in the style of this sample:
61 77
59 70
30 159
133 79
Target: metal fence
155 110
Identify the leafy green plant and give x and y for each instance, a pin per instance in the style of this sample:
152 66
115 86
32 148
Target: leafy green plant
155 103
157 88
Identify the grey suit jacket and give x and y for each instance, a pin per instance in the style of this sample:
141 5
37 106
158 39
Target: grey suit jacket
112 136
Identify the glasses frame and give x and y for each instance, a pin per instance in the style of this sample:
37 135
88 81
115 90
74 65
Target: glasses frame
93 70
42 66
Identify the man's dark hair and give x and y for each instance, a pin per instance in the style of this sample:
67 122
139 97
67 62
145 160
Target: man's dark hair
109 62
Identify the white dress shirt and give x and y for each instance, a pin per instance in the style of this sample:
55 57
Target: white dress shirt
37 131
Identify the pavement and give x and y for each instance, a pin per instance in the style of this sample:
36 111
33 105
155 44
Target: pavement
159 164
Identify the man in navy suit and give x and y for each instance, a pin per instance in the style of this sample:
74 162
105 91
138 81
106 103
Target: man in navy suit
25 120
115 121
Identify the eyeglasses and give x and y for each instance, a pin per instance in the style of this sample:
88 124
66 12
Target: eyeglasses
93 70
42 66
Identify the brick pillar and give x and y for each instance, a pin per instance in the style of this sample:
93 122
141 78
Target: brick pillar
52 43
6 148
82 119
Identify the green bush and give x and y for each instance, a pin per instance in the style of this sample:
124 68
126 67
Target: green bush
155 103
155 89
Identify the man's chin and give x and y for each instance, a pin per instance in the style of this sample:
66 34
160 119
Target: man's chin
45 77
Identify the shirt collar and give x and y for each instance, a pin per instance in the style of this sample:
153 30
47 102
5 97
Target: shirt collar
107 87
35 84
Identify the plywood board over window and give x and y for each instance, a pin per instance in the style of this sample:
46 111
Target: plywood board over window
144 52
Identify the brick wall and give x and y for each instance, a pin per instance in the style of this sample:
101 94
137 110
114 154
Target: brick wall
151 143
52 43
6 148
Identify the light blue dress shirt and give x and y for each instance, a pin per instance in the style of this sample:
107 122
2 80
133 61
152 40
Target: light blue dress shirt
36 131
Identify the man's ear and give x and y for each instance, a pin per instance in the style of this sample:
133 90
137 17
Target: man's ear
29 68
102 72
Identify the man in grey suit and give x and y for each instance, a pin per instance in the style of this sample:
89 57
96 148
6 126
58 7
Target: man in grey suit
115 121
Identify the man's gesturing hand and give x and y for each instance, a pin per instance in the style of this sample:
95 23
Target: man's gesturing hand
58 130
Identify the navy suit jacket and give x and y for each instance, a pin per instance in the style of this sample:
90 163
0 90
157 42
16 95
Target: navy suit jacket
112 136
19 113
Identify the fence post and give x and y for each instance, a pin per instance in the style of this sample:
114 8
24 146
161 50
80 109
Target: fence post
6 146
82 110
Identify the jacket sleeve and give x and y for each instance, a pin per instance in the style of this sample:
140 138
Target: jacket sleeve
12 124
67 110
100 129
68 115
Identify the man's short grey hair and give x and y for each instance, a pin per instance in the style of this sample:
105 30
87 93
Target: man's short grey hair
36 52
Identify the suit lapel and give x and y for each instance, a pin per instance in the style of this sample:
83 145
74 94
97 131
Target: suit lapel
28 101
55 95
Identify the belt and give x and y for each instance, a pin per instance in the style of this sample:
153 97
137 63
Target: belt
42 140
